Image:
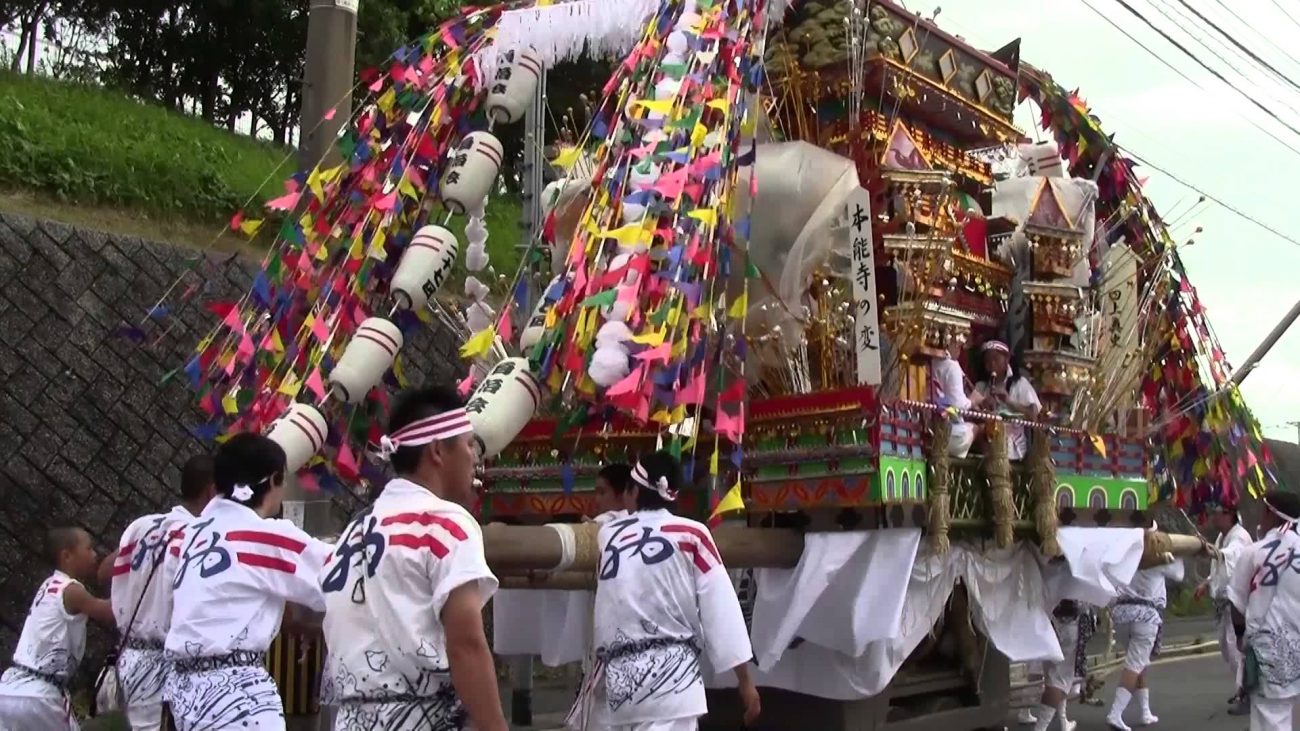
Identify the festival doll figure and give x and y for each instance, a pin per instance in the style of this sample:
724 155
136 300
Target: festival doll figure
142 596
406 586
1138 616
663 597
1231 544
34 690
232 570
1265 596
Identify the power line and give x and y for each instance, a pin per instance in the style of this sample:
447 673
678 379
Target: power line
1263 36
1176 44
1272 135
1289 16
1254 56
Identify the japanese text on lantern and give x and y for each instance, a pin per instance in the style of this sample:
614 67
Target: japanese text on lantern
866 321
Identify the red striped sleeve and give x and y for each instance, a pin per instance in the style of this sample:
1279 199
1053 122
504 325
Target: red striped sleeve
700 535
408 540
257 560
427 519
701 563
127 550
121 568
267 539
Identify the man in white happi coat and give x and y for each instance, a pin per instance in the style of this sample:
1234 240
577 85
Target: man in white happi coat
948 390
1008 393
406 586
1058 677
1230 545
1265 596
663 599
142 597
1138 616
34 690
232 570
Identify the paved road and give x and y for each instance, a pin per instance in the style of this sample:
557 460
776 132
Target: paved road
1187 694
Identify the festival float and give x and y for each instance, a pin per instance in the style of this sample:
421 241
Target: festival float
789 214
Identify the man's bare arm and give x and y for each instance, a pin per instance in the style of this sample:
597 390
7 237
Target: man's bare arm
473 673
105 574
79 601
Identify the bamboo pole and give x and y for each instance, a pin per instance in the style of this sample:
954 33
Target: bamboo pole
527 557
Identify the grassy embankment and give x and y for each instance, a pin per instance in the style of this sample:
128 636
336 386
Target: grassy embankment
96 158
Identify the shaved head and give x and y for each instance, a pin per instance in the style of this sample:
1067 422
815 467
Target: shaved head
64 538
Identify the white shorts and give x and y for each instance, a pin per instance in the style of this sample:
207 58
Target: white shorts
960 440
1139 642
1060 675
141 674
1269 714
23 713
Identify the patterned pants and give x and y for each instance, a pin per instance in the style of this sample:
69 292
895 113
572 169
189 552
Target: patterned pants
21 713
244 698
430 715
142 675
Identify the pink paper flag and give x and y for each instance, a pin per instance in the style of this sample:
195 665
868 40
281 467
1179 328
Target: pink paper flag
386 203
318 329
308 481
314 383
233 321
329 113
694 391
246 349
643 409
466 385
375 87
731 427
504 327
347 462
283 203
670 185
661 352
628 384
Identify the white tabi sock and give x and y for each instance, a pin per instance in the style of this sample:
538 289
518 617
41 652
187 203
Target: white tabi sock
1116 716
1144 706
1044 714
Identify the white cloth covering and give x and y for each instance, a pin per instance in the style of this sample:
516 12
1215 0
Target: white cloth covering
681 724
22 713
664 600
385 586
1100 561
1269 714
1266 590
1005 588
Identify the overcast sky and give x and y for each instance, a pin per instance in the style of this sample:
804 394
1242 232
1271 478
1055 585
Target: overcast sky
1246 276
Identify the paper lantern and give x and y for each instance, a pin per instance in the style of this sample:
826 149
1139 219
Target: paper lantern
503 404
471 170
536 325
514 86
301 432
369 355
425 265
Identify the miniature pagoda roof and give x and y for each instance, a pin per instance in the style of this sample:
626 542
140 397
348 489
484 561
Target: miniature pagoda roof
1046 210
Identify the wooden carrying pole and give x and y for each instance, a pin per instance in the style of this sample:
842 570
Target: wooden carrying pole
565 556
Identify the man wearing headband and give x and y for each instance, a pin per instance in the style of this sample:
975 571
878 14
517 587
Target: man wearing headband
1006 392
663 598
1230 545
232 570
1138 616
1265 595
142 598
406 586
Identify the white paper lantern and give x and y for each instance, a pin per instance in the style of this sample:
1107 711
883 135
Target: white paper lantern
301 432
369 355
503 404
609 364
471 170
425 265
677 43
667 88
536 325
633 212
515 85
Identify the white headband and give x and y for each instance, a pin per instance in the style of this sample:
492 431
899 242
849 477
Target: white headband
243 492
1285 518
996 345
426 431
640 477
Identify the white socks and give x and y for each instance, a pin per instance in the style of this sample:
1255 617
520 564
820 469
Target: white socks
1116 716
1066 724
1143 696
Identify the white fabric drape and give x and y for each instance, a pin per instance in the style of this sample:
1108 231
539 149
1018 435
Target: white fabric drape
554 625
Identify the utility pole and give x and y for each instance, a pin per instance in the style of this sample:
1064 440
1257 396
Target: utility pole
530 224
1278 331
327 77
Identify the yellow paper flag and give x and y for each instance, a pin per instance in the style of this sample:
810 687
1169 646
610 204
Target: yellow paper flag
277 345
739 307
479 344
730 503
713 463
229 404
662 106
627 235
250 227
719 104
654 338
1098 444
707 216
290 386
567 158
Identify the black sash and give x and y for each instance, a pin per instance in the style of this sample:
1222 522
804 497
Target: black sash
236 659
63 684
